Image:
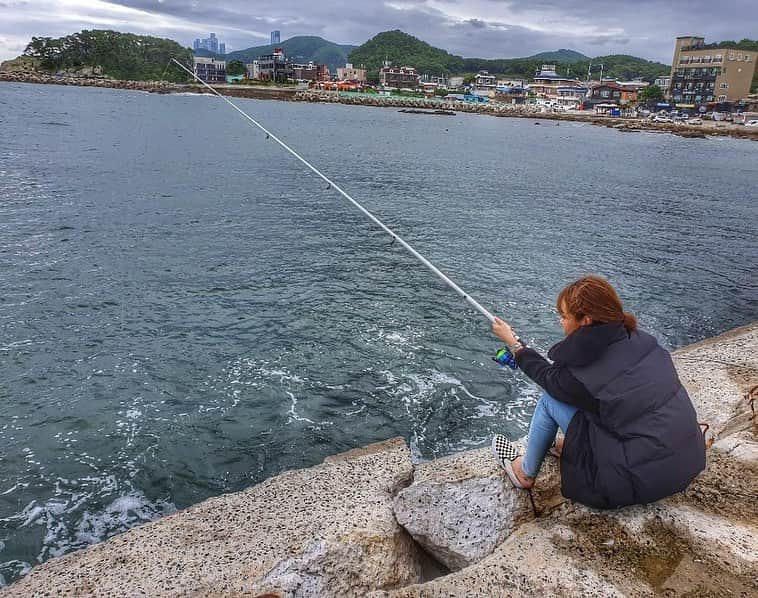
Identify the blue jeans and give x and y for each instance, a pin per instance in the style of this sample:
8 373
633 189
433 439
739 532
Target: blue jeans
549 415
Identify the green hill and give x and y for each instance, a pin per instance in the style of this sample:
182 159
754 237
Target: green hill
121 55
403 49
302 48
563 56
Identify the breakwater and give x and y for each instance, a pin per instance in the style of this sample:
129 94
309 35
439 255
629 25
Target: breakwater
369 522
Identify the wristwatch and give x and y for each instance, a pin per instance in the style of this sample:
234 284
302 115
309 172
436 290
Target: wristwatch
515 348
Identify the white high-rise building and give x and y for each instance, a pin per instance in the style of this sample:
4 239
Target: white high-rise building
276 37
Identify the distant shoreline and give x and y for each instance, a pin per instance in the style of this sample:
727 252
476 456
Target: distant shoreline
707 129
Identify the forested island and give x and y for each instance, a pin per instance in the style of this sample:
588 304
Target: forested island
117 55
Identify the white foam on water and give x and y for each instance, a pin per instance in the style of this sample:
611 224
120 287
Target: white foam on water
70 522
14 567
293 411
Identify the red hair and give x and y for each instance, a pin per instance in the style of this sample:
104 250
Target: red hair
594 296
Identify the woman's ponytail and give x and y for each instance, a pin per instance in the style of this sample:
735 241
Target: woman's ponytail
630 322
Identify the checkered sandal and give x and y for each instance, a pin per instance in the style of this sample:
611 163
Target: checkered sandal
505 452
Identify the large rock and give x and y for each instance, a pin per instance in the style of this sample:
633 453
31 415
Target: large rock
662 549
324 531
461 507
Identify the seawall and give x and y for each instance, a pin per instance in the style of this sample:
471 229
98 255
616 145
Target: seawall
371 523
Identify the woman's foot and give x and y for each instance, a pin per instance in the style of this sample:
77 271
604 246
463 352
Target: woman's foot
524 480
507 455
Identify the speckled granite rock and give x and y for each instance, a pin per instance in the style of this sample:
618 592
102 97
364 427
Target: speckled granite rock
324 531
461 507
717 373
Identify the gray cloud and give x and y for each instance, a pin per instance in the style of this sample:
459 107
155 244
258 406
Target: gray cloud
471 28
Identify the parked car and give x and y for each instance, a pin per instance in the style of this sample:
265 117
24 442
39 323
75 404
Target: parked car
661 118
751 123
695 121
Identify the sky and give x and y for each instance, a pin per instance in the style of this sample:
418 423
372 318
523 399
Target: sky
470 28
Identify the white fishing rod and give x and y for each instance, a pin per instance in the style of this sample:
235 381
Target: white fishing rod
336 187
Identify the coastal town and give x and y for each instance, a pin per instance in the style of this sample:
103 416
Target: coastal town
707 89
705 82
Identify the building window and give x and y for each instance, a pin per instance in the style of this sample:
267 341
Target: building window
748 58
731 55
723 85
717 58
722 98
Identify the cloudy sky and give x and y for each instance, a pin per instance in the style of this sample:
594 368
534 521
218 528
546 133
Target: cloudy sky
471 28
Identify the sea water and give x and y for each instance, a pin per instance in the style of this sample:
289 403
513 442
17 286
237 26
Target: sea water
186 311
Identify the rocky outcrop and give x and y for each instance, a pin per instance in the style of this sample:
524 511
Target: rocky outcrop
459 509
702 542
333 530
89 77
92 77
324 531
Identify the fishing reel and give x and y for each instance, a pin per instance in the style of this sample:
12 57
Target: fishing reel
505 358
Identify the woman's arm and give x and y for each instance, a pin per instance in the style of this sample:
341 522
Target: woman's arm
557 380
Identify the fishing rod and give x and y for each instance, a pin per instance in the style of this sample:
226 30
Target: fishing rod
333 185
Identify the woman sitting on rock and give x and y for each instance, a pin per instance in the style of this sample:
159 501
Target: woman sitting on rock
631 433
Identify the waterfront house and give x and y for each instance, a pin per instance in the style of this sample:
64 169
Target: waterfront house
253 70
398 77
209 70
310 72
484 84
603 92
702 73
274 67
552 88
511 94
348 73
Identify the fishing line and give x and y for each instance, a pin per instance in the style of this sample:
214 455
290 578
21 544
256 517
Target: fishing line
333 185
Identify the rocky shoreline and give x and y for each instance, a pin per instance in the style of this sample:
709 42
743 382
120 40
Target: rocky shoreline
371 523
707 129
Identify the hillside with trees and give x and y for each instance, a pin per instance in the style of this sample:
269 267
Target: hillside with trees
563 56
403 49
120 55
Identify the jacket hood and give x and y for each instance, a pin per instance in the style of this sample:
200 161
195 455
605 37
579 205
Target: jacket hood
586 344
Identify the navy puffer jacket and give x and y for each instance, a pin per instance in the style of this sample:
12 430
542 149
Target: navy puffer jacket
635 437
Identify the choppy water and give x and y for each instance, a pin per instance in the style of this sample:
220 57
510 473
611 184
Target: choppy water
185 311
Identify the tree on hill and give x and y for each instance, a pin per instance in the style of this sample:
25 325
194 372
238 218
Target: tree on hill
121 55
652 93
235 67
